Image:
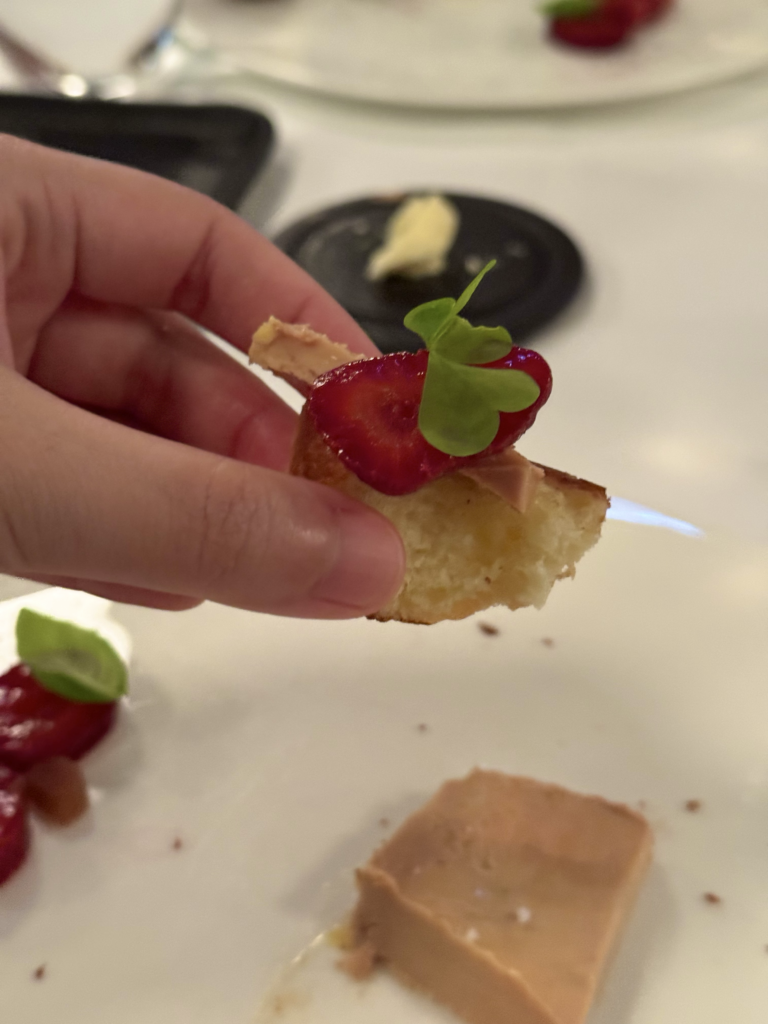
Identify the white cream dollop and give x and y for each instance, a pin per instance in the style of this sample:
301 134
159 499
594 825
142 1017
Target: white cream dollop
417 239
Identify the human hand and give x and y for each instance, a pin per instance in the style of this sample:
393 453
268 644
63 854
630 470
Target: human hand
186 497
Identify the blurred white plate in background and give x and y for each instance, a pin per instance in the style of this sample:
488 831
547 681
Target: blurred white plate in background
478 53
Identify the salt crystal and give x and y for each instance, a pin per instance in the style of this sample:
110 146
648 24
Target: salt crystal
523 915
472 935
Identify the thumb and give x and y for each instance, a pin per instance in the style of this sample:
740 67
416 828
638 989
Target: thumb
84 497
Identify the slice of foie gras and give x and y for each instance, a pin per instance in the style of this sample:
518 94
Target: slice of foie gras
299 355
510 475
502 897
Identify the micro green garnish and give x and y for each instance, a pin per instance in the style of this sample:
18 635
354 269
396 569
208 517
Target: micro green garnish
73 662
461 401
570 8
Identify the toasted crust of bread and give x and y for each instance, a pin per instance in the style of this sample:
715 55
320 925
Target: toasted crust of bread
466 548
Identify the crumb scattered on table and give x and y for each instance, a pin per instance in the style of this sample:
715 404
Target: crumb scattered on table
693 805
340 936
384 822
547 641
177 843
285 1000
488 629
422 727
39 973
712 897
642 805
359 962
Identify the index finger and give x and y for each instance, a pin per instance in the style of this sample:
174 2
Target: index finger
147 242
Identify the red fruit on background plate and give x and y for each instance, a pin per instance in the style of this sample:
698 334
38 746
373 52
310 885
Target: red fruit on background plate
650 10
610 25
36 724
367 413
14 829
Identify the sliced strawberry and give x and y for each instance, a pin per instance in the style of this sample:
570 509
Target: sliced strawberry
36 724
610 25
367 413
14 830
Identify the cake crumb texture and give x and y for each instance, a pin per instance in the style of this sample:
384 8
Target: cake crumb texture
466 548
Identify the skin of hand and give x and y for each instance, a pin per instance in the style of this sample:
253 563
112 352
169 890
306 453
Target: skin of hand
137 460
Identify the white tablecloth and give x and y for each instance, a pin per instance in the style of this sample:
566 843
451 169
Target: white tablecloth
661 367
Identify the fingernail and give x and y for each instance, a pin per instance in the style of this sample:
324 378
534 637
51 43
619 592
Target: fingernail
369 566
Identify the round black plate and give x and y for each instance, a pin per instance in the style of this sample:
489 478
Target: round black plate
538 270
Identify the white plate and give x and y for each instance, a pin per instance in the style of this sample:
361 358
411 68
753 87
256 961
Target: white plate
272 748
478 53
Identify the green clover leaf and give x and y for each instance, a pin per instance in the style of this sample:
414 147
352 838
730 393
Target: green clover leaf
432 319
73 662
460 405
471 288
429 319
507 390
570 8
453 416
462 399
463 343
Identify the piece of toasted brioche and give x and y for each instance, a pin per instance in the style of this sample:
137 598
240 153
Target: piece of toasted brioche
466 548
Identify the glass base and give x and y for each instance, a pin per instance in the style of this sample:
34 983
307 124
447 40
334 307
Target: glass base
171 53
